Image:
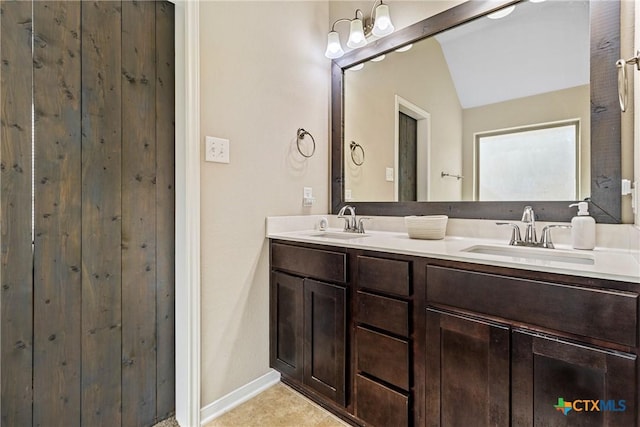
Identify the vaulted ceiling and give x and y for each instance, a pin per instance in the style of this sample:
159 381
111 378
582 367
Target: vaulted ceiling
540 47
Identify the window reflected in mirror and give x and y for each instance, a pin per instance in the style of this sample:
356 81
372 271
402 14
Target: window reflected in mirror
528 163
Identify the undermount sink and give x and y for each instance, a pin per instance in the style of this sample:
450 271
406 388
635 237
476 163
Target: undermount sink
524 253
337 235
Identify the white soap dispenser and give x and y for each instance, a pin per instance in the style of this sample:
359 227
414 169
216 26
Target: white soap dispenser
583 228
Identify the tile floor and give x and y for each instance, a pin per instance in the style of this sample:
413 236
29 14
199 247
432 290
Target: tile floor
278 406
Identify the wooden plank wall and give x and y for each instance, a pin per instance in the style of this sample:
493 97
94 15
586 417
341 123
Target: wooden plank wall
98 281
57 278
16 343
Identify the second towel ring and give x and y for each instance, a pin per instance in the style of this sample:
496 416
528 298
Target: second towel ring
354 146
300 135
623 83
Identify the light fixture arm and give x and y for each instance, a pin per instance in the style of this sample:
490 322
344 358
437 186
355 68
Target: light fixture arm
333 27
369 23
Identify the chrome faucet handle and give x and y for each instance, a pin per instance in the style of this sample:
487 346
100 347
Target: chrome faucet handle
349 221
529 218
528 215
361 224
546 242
515 233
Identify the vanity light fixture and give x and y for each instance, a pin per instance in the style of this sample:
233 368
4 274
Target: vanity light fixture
356 67
360 28
378 58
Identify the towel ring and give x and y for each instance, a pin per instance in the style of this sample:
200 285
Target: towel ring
623 83
354 146
301 134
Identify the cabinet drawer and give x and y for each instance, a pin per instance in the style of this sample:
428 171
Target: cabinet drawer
379 405
383 357
389 314
385 275
320 264
607 315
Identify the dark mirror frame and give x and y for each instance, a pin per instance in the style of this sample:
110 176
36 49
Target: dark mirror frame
605 198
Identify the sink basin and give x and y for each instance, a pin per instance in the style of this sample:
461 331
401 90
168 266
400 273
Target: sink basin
337 235
524 253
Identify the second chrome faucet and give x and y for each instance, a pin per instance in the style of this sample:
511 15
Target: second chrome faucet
351 223
530 238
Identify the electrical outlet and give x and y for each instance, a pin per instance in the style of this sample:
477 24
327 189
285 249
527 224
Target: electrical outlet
307 196
389 173
347 195
216 150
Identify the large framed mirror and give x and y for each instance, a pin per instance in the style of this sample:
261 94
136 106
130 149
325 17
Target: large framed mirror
481 117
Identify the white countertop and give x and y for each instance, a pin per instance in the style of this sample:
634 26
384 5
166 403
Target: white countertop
612 264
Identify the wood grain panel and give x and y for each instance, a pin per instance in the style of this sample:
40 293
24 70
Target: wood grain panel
101 214
605 111
165 202
138 214
317 263
57 258
384 275
379 405
383 357
325 345
286 323
595 313
15 210
384 313
545 368
467 361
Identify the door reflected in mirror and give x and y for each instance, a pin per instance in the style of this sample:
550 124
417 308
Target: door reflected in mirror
433 119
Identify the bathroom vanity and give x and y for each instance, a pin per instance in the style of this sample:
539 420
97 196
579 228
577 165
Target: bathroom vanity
384 330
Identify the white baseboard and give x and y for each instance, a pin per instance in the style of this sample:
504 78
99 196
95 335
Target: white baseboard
238 396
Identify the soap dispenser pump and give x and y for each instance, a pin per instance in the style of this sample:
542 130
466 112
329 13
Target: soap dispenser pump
583 228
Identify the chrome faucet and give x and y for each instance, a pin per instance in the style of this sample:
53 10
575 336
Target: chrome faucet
350 223
529 218
530 238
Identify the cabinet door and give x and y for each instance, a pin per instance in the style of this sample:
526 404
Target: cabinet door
286 317
559 383
467 371
324 339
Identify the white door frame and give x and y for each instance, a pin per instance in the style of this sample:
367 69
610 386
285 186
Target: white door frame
423 148
187 211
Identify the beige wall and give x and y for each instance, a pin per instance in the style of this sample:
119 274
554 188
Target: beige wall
572 103
263 75
370 120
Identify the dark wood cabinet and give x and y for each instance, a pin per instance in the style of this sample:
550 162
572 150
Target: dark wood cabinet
308 319
393 340
325 339
467 371
597 384
383 383
552 343
286 319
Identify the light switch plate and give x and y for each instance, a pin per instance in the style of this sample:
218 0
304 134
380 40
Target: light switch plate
347 195
216 149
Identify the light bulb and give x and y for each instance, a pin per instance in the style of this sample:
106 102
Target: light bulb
356 34
383 25
334 48
501 13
